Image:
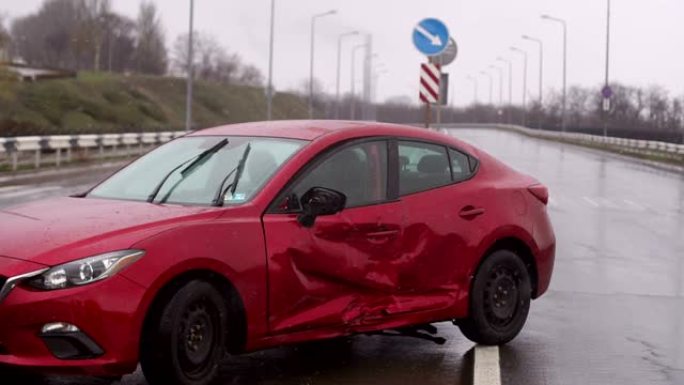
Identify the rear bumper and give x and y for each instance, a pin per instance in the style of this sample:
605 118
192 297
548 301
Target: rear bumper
546 256
104 312
545 264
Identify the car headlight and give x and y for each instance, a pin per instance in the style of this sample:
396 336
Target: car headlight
85 271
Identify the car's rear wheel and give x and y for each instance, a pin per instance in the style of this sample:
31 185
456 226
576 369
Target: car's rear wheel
185 345
16 376
500 298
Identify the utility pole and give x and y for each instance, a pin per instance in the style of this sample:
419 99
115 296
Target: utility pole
500 70
524 95
339 70
475 88
541 67
606 107
311 67
491 85
191 71
352 112
510 86
269 90
565 66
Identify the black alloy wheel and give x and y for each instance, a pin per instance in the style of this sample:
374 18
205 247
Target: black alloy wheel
500 297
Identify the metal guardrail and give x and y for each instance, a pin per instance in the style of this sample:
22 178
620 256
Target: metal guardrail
38 150
644 147
58 149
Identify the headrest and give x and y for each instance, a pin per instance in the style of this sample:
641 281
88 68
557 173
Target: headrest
433 164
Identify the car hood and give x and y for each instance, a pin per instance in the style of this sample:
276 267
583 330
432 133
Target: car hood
53 231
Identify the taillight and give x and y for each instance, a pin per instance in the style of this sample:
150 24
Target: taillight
540 192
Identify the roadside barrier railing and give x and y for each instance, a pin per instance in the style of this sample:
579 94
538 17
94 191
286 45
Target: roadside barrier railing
37 151
672 151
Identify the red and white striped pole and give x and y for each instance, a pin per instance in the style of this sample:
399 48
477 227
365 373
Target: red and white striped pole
430 75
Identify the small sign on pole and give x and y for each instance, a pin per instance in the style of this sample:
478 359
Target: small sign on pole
431 38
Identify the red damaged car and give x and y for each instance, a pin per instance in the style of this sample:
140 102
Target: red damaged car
249 236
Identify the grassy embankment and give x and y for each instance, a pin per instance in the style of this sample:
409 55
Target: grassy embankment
106 103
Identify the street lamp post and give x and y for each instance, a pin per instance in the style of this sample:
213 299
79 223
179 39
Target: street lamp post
191 70
491 85
541 67
339 69
353 80
606 109
475 89
269 91
510 85
311 67
565 65
524 95
500 70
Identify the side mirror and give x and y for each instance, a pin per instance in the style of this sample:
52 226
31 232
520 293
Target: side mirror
320 201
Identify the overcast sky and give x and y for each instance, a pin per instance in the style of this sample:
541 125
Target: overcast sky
647 40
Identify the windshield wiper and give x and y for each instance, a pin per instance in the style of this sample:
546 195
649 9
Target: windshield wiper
192 164
222 191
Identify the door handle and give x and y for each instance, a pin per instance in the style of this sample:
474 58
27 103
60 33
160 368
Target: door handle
382 234
470 212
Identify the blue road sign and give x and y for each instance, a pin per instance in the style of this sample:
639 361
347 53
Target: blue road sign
607 92
431 37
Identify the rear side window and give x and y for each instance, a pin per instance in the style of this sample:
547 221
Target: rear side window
462 166
422 166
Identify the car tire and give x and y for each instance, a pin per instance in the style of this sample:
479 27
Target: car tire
186 343
499 300
17 376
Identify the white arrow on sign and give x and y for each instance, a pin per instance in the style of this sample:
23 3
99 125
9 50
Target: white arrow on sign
434 39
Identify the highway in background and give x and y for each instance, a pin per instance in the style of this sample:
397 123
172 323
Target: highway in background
614 313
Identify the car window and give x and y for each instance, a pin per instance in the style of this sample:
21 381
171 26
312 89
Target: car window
358 171
201 184
461 168
422 166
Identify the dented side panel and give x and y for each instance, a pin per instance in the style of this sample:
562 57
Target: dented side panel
340 272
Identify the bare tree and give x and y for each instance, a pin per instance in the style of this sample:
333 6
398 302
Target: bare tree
211 60
118 43
150 51
63 33
251 76
579 105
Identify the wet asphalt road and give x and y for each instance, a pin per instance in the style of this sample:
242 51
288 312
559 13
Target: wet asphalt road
614 313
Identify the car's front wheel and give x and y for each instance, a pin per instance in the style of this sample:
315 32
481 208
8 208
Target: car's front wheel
186 343
500 298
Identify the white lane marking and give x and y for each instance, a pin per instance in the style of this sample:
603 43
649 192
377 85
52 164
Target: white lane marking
10 188
591 201
486 369
635 205
29 191
605 202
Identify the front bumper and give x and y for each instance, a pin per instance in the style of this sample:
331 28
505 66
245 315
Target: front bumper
105 313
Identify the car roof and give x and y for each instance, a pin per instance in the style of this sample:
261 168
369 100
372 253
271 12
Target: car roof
333 129
293 129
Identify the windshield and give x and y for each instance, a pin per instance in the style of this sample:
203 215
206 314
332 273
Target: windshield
164 175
